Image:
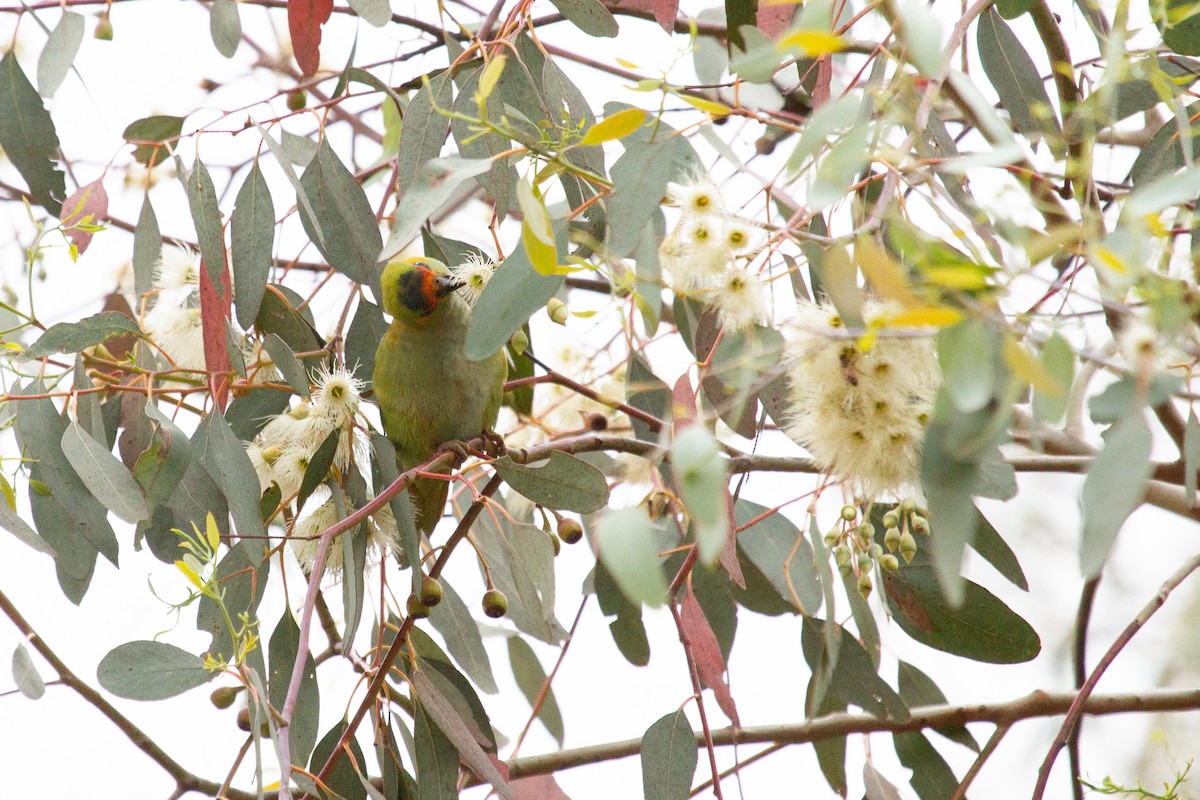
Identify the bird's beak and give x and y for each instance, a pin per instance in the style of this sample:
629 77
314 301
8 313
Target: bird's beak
446 284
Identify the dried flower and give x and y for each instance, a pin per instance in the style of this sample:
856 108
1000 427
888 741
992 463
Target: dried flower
860 412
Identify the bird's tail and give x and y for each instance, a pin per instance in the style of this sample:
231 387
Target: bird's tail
429 502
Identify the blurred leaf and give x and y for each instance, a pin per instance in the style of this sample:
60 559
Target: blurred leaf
590 16
854 680
779 550
965 356
1180 27
561 482
375 12
436 760
1114 487
628 632
877 787
989 544
646 392
12 522
153 138
384 459
71 337
918 689
147 248
510 298
436 667
1125 395
1191 456
25 674
1142 89
1016 79
1164 153
434 185
224 459
669 758
343 782
452 619
252 236
87 205
932 777
1058 361
354 564
103 474
283 651
225 26
28 137
628 546
1011 9
147 670
530 677
648 294
249 412
702 478
59 52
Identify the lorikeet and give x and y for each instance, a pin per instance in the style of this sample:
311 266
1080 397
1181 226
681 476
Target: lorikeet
429 392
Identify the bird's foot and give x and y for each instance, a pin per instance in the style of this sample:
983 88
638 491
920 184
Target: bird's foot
458 449
493 443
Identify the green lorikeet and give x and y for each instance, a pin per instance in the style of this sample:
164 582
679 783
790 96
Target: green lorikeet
429 392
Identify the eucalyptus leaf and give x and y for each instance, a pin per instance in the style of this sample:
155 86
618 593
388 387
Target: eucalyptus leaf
562 482
146 670
103 474
252 236
72 337
28 137
628 545
1114 487
669 758
59 52
531 677
25 674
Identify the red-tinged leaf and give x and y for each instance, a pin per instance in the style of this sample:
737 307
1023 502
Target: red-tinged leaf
665 12
538 787
305 18
772 19
215 308
87 201
706 653
683 399
728 558
821 93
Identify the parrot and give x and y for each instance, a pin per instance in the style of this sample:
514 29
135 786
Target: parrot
429 392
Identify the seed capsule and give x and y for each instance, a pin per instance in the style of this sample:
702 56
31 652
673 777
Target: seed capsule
495 604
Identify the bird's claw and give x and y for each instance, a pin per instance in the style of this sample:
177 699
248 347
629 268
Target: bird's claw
493 443
458 449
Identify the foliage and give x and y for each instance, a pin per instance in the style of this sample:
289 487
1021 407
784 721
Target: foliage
863 246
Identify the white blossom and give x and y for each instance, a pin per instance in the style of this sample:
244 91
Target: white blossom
474 273
739 299
305 539
178 269
697 196
337 395
176 330
861 412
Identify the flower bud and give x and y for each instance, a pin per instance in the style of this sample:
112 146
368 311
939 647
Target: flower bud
891 519
297 100
104 32
495 604
243 719
864 562
224 696
849 513
569 530
832 538
875 550
891 539
889 563
908 547
417 609
864 585
920 524
519 342
908 505
866 531
431 591
557 310
841 554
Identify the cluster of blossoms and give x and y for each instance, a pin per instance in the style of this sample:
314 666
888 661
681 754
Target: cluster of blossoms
861 402
286 445
705 251
173 323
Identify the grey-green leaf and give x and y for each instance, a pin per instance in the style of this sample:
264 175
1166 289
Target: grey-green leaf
147 248
104 475
640 178
12 522
1113 488
1015 78
511 297
669 758
28 137
59 52
225 26
71 337
434 185
701 474
628 544
287 364
25 674
350 238
146 670
779 550
224 459
590 16
375 12
561 482
252 236
424 130
452 619
285 646
530 677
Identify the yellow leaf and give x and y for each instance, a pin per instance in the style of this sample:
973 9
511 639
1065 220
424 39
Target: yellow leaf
627 64
968 278
618 126
812 43
707 106
885 273
190 574
10 496
543 256
211 533
1110 259
1029 369
491 74
923 317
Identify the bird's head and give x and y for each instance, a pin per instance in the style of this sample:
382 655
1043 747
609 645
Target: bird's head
414 288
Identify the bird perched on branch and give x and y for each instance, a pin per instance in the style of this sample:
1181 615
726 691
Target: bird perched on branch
429 392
